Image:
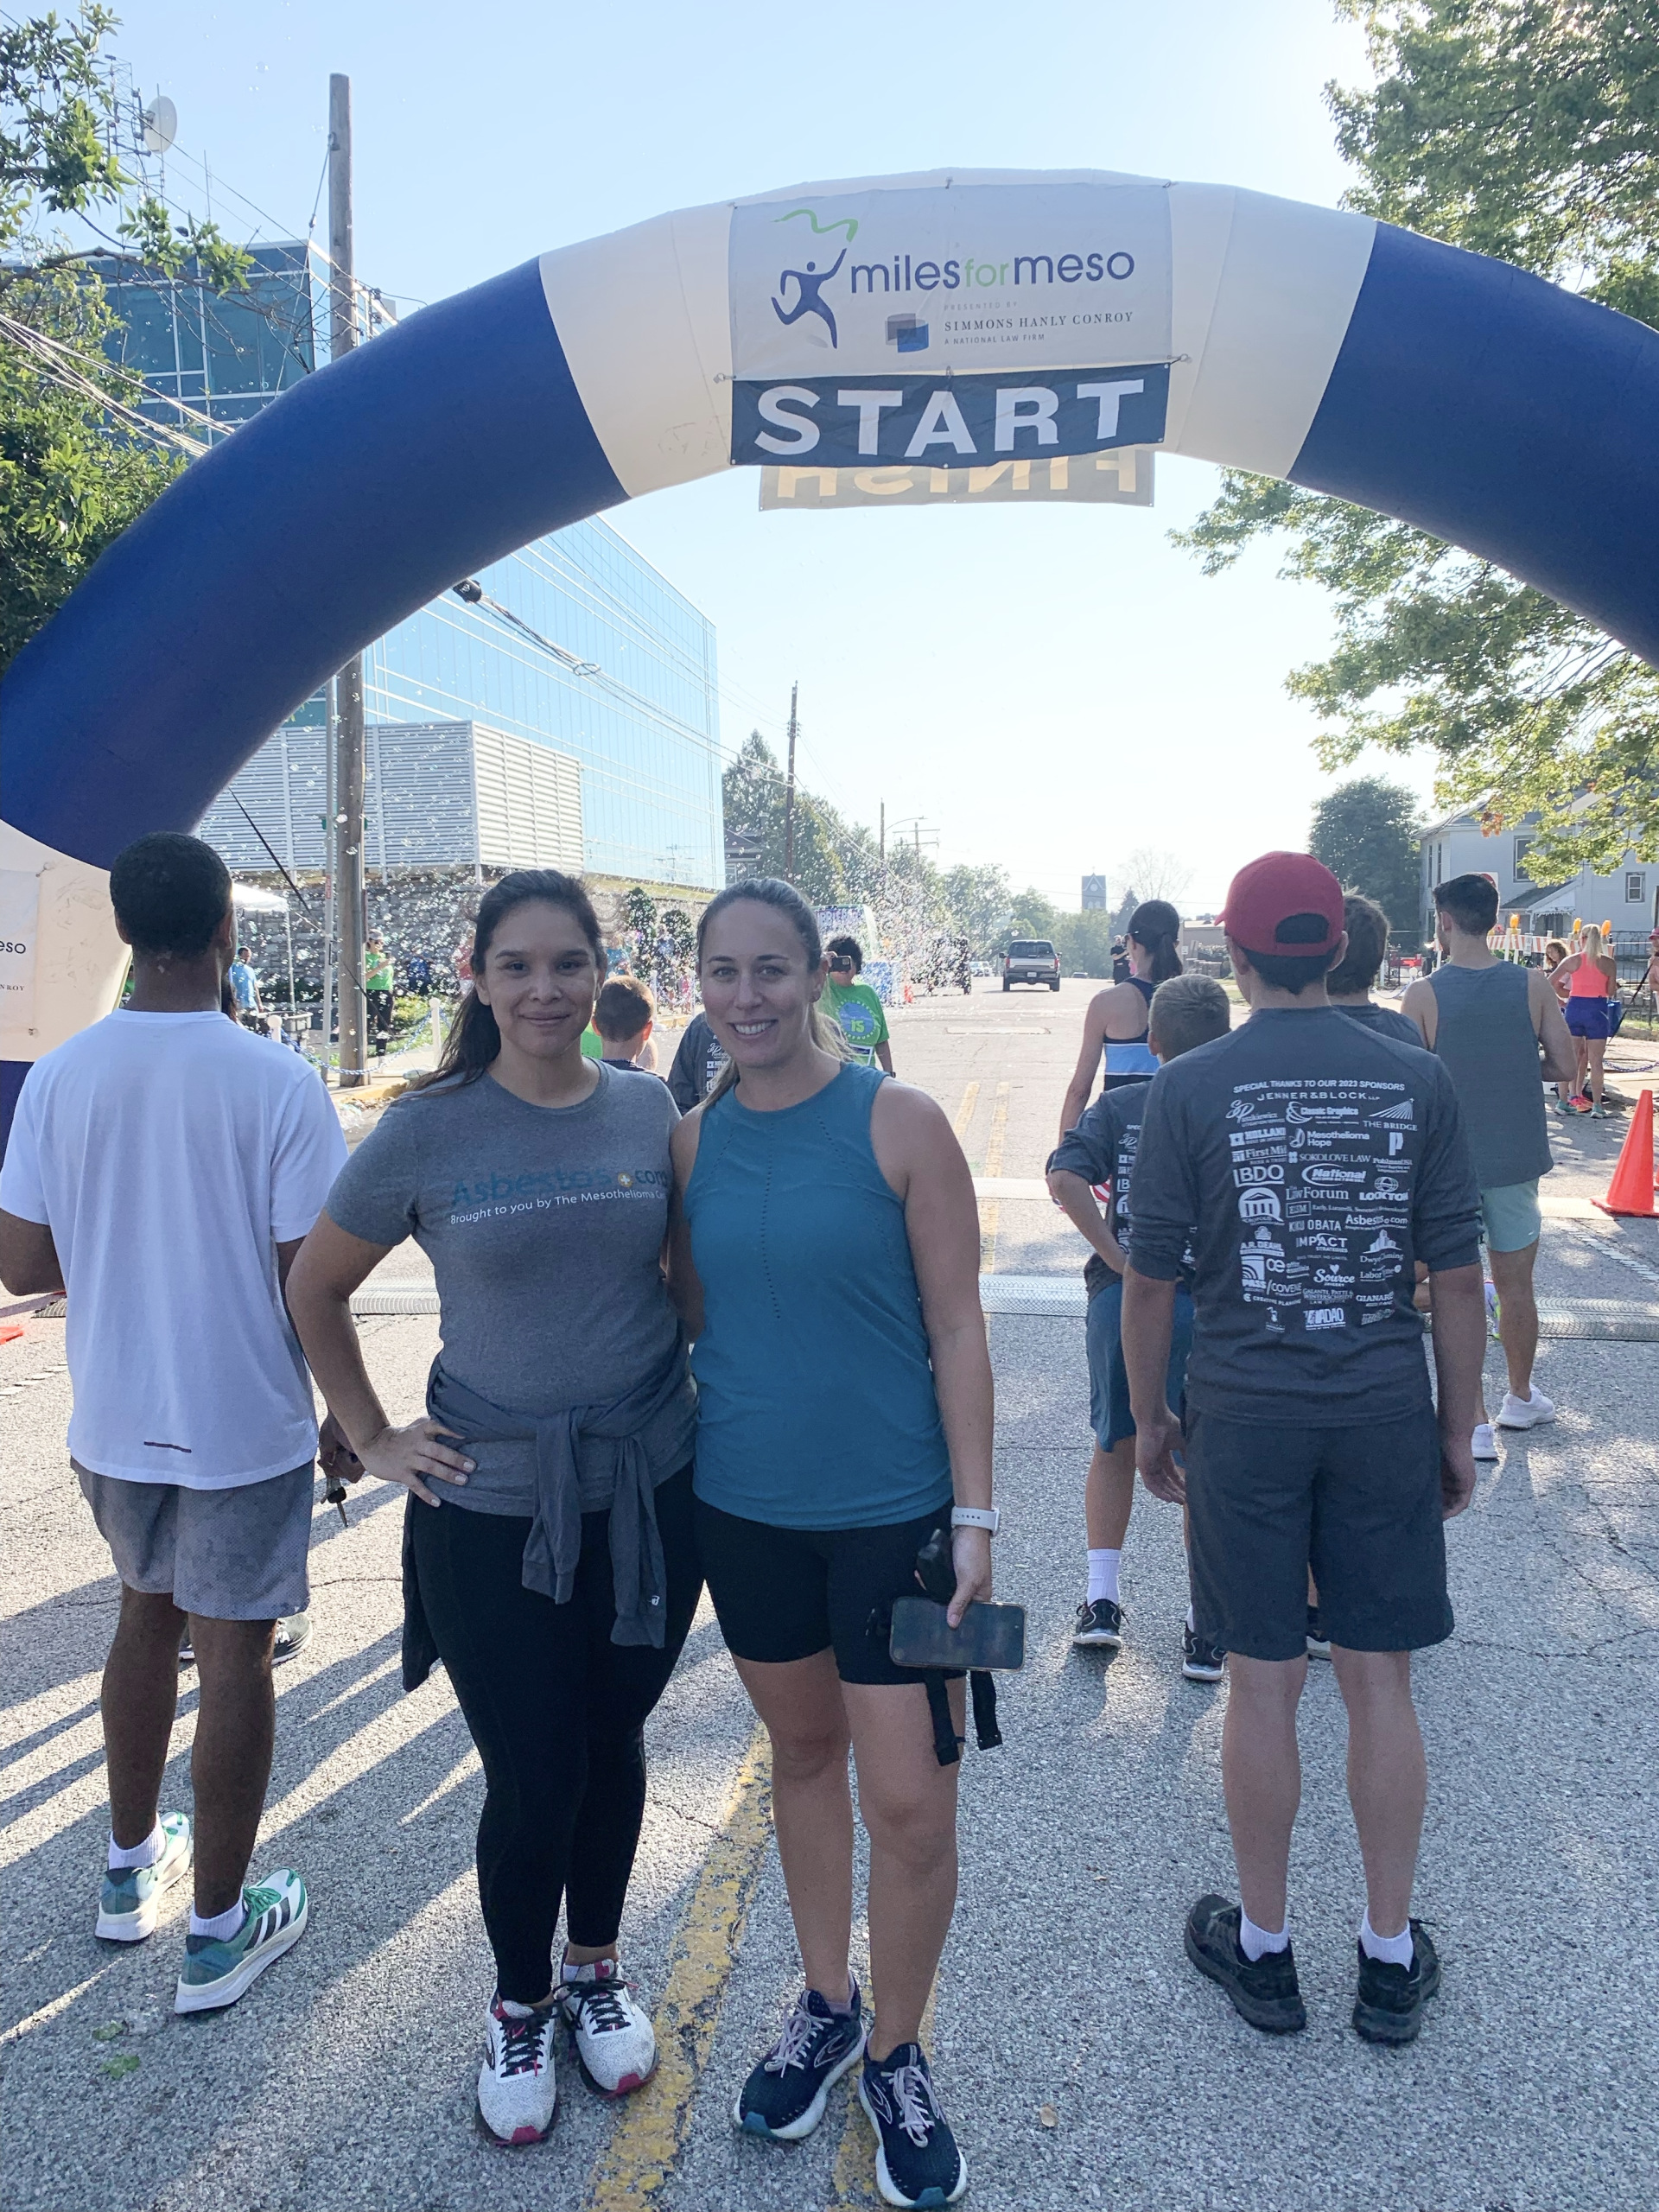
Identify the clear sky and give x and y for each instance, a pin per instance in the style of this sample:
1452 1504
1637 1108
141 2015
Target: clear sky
1050 689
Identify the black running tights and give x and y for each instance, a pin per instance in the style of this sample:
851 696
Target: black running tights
557 1711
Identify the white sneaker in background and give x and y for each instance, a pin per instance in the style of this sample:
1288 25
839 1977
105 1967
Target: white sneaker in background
1485 1446
1526 1413
517 2091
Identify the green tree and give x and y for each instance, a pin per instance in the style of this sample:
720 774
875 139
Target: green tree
1366 832
1527 128
980 906
77 463
1034 916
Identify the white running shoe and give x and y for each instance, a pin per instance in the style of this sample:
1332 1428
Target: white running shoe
616 2045
1526 1413
219 1970
130 1903
517 2090
1485 1446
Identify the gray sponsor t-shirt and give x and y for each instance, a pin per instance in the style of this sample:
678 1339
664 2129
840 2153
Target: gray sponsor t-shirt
1102 1149
1319 1160
544 1226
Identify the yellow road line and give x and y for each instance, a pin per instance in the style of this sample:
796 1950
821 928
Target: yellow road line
988 1207
965 1112
853 2188
647 2140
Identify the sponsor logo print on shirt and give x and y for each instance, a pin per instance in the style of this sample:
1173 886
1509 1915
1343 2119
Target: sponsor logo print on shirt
1324 1316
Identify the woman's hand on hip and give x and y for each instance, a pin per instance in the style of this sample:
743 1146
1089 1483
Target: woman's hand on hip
970 1554
410 1456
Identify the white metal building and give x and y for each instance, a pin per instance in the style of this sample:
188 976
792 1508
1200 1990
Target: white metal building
438 795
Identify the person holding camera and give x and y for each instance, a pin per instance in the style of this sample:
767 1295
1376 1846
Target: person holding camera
818 1203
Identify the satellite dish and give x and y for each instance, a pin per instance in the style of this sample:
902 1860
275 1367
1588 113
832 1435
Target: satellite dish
161 122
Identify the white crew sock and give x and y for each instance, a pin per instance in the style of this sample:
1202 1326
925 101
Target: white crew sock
1392 1951
1255 1943
1191 1622
222 1924
141 1854
1103 1569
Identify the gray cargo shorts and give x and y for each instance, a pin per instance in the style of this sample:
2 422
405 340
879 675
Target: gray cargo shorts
225 1555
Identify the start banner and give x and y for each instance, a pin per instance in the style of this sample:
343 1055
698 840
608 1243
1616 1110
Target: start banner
853 420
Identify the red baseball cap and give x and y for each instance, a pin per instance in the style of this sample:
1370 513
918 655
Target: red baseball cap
1274 904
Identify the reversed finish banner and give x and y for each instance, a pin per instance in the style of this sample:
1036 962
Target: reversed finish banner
841 420
1123 478
960 277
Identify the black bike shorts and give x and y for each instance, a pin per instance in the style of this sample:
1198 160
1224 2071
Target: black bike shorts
1360 1506
785 1593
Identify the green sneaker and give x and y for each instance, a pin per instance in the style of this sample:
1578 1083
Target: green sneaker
131 1902
220 1970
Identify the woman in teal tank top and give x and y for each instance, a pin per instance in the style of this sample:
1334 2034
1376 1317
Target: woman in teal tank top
824 1255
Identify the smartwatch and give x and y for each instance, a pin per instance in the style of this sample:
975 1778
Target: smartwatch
976 1516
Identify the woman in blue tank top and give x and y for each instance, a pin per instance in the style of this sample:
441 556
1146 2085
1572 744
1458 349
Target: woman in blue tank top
1114 1029
824 1254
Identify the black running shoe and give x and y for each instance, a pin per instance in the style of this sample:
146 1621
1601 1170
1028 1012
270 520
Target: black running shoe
785 2095
917 2161
1318 1643
1101 1623
1201 1661
1389 2006
1264 1991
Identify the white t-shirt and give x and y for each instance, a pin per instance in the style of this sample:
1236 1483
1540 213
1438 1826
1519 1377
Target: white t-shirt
169 1154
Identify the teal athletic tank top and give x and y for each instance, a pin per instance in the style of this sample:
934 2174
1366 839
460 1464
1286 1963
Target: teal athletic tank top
816 1405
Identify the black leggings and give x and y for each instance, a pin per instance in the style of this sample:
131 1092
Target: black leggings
557 1711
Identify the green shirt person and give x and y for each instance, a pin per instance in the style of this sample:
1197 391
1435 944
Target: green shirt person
376 966
854 1006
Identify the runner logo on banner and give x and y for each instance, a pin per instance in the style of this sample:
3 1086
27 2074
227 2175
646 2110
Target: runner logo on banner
951 323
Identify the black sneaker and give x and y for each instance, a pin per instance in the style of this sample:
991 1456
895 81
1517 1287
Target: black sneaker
292 1636
1101 1623
785 2095
1201 1661
1264 1991
1318 1643
1389 2006
917 2161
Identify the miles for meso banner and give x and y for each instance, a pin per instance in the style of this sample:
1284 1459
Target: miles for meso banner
949 324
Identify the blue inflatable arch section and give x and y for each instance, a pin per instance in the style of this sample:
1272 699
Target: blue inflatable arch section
1451 390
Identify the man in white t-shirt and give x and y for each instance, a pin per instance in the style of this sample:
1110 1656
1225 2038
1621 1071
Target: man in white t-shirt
163 1167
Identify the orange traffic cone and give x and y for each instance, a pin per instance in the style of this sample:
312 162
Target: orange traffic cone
1631 1192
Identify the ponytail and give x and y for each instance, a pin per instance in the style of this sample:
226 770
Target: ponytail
784 899
1155 925
474 1041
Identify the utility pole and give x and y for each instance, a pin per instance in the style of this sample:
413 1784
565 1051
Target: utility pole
347 825
884 836
789 789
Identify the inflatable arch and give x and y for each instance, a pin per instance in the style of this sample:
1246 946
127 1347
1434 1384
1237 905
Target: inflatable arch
1065 310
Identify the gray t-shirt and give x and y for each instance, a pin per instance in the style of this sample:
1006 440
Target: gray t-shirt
1319 1160
544 1226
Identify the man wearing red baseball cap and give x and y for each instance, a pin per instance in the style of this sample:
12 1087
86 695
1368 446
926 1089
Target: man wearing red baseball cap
1310 1161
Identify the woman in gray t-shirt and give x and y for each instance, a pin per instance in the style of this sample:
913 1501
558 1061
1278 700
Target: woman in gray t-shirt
548 1559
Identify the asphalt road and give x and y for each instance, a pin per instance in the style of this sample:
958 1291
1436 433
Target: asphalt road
1082 2058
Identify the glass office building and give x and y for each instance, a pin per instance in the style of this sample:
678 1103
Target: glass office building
575 643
